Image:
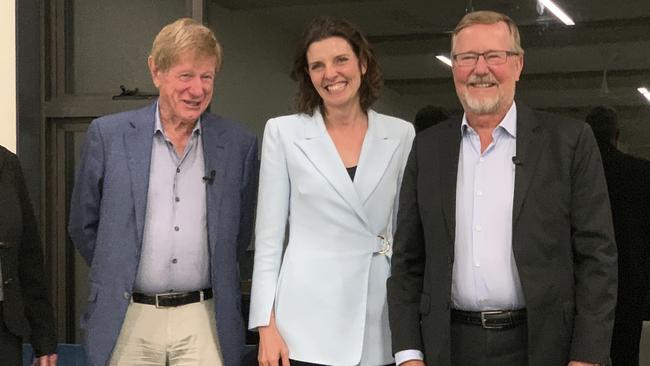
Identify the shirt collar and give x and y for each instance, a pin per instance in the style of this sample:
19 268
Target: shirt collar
158 125
508 123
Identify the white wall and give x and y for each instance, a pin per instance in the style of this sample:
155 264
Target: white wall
8 74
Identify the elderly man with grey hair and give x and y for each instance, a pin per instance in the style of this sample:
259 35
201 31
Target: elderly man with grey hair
161 209
504 252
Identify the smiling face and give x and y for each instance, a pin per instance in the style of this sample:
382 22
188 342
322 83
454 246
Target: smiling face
486 89
185 88
335 71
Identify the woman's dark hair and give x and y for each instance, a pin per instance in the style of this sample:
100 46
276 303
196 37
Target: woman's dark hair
307 98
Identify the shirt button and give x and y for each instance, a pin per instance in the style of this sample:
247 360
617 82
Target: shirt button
178 170
479 193
481 159
177 199
127 296
176 228
478 228
174 260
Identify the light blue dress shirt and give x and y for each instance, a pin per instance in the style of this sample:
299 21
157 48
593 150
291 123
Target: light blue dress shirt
485 275
175 254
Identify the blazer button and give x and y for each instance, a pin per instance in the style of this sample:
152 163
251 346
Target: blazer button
127 296
8 281
3 244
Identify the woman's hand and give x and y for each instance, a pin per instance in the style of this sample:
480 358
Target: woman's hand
272 347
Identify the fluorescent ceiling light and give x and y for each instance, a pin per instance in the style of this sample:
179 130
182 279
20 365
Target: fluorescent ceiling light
444 59
645 93
557 12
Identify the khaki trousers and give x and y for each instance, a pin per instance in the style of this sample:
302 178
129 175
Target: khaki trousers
175 336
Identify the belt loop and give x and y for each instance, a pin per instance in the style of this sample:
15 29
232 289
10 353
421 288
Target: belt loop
201 296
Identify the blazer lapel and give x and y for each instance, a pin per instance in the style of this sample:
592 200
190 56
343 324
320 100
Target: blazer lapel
377 152
530 143
449 149
321 152
215 151
138 141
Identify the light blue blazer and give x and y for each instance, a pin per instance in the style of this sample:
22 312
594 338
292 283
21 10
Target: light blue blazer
328 291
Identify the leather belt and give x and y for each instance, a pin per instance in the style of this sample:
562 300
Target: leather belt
173 299
497 319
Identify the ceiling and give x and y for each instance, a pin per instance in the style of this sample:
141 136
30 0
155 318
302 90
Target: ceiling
564 68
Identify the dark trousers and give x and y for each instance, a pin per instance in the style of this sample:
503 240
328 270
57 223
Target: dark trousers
625 342
10 345
472 345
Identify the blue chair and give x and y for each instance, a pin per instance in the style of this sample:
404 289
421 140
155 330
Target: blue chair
69 354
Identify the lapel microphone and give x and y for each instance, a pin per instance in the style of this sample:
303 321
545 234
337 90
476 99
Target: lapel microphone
516 161
210 178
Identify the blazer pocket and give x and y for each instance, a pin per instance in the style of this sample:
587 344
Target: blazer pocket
90 307
425 304
7 244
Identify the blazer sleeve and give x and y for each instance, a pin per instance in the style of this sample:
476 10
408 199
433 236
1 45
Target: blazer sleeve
410 134
38 309
271 221
595 262
248 197
86 198
407 265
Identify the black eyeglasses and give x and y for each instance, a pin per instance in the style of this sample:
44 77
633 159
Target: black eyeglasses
490 57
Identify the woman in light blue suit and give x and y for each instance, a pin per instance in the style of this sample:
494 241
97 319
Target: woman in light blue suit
333 172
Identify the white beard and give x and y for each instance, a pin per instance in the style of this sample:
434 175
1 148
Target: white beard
481 106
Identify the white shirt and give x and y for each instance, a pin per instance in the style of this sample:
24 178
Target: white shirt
485 274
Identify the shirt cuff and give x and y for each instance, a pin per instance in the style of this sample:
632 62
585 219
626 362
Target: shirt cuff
408 355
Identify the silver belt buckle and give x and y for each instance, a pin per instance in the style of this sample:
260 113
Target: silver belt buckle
386 246
158 306
483 320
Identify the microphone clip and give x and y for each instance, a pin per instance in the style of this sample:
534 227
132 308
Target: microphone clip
209 179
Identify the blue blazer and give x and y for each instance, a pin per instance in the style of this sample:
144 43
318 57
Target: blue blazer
107 219
329 289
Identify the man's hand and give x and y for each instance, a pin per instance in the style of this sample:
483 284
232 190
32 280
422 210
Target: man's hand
47 360
412 363
578 363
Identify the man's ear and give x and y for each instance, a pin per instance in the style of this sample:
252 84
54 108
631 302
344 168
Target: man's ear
154 71
520 66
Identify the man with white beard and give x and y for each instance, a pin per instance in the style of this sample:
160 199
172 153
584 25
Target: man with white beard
504 251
